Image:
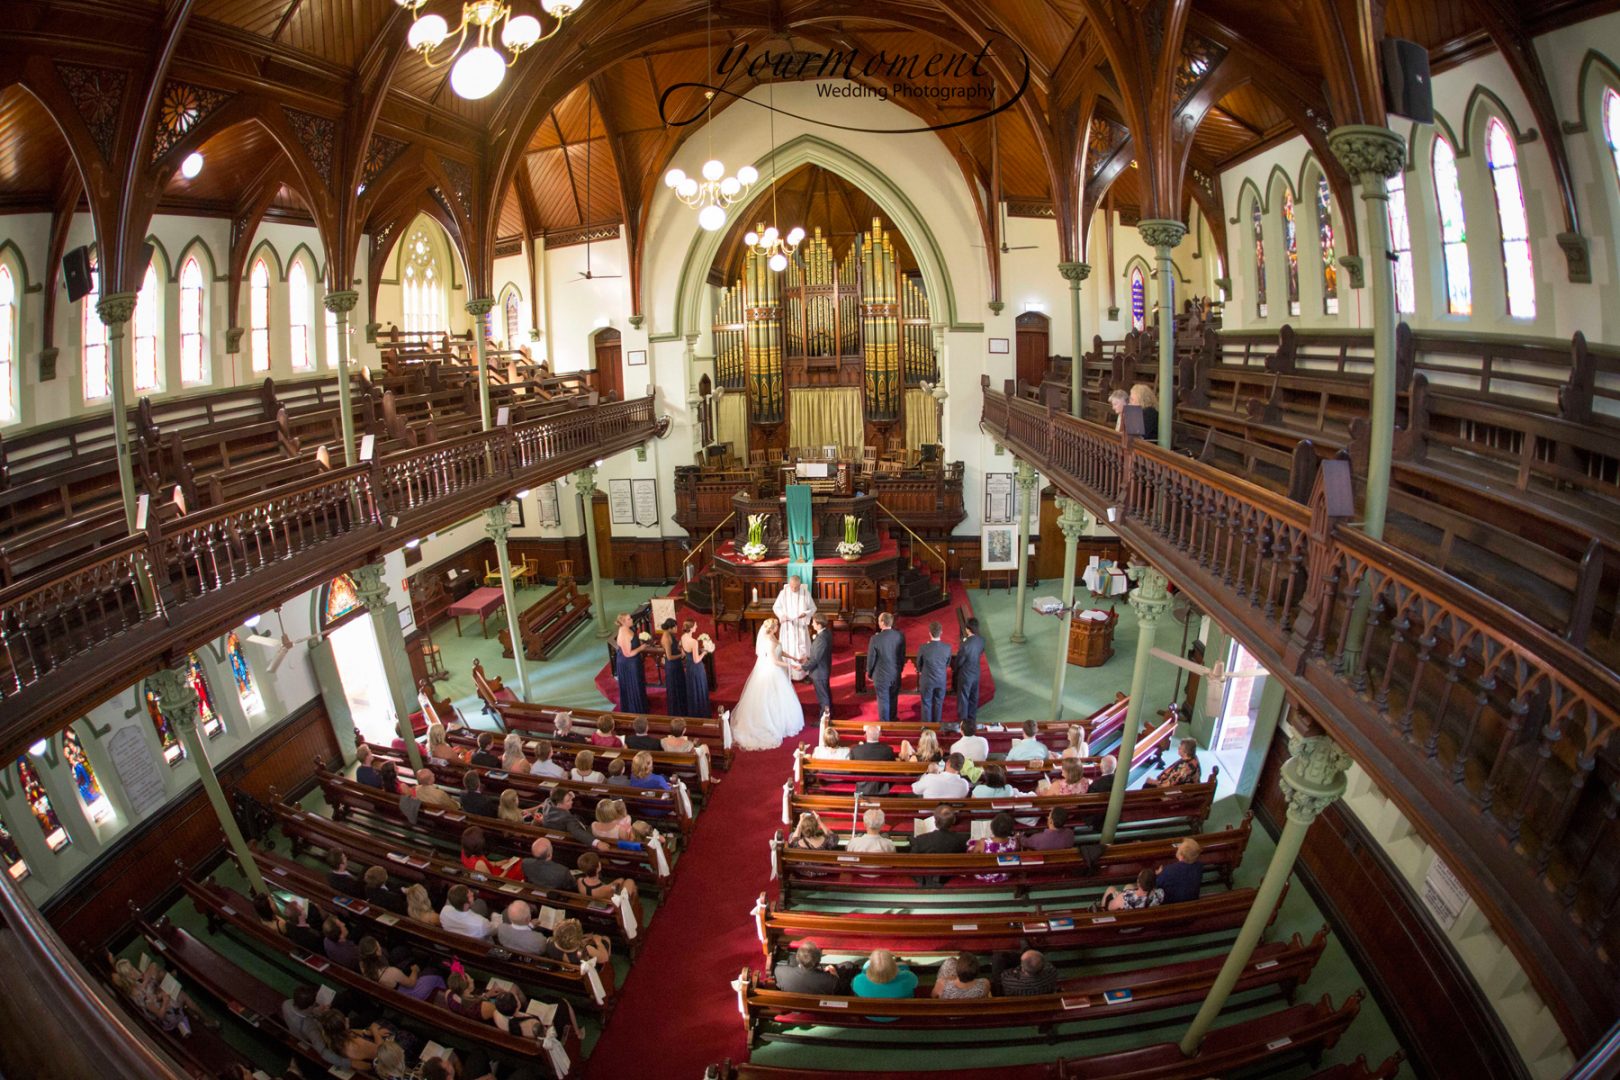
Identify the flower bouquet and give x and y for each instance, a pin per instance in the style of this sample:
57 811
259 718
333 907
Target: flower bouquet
707 642
851 548
644 637
755 549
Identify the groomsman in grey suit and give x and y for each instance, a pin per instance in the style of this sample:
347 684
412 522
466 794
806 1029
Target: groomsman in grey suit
885 660
818 664
933 664
966 664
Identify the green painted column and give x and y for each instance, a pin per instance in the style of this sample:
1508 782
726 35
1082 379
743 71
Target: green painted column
177 701
373 591
1072 520
1074 273
1162 236
585 480
498 527
478 309
1151 600
1026 479
1373 154
1312 779
340 303
115 310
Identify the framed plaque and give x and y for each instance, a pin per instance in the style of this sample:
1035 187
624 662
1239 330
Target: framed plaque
636 358
645 500
998 498
621 508
1000 346
550 511
998 548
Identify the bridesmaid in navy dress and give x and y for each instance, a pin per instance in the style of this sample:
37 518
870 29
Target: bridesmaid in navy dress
628 670
697 676
674 670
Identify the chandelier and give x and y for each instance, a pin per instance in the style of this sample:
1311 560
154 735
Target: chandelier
716 191
767 242
479 70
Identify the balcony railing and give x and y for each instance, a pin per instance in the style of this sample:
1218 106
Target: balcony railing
1482 725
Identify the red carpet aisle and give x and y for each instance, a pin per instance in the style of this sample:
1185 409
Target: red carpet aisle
734 659
677 1013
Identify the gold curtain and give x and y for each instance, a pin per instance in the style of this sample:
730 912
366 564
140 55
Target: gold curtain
731 423
922 418
827 416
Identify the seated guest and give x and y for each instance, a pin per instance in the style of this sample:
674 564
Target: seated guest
1143 893
507 808
431 794
926 751
677 741
545 764
617 774
831 747
1075 745
1002 839
1181 880
388 774
376 966
365 771
381 893
358 1047
1142 394
993 785
458 917
1107 770
971 745
572 945
562 730
884 977
811 835
264 907
1056 836
1032 976
806 974
339 876
612 822
461 996
301 1016
517 932
336 945
475 856
1072 782
588 879
873 748
584 770
941 840
1117 402
557 813
299 929
603 735
959 978
390 1064
473 799
872 840
439 746
419 905
948 783
638 739
1028 748
540 871
510 1020
513 758
485 754
1184 770
642 775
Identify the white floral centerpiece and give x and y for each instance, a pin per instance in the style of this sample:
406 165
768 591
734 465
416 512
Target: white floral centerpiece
755 548
851 547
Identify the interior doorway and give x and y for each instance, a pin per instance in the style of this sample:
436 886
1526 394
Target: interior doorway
365 683
1239 712
602 522
609 372
1034 346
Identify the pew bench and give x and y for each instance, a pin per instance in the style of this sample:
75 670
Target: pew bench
1054 733
549 622
692 768
540 721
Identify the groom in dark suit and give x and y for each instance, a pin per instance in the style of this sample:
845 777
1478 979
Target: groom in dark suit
885 660
818 664
966 666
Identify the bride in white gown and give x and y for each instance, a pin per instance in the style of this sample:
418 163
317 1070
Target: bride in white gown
768 710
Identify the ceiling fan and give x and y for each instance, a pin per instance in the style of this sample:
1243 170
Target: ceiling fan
283 645
1216 676
585 274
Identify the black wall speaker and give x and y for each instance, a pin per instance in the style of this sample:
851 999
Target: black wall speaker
76 274
1407 90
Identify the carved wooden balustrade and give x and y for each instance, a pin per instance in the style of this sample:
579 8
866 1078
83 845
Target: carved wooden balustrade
73 638
1484 726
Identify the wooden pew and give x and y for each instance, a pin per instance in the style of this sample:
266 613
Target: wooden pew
1280 966
548 622
540 720
557 1055
691 768
1026 872
491 691
1096 727
1387 1069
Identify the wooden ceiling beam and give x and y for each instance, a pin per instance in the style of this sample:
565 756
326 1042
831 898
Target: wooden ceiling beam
568 164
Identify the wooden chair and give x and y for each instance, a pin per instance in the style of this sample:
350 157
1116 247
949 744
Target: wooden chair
869 460
863 611
433 660
730 611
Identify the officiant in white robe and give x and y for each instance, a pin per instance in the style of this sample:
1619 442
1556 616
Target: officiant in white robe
794 608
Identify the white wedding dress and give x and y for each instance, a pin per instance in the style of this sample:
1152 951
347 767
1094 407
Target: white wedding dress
768 710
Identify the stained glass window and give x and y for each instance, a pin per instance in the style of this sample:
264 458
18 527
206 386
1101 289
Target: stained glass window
331 339
514 319
56 837
1291 249
8 345
15 866
97 381
299 310
148 305
1138 299
1453 229
341 598
1400 246
259 315
1611 125
423 285
207 716
1504 165
242 675
1259 259
1324 229
96 805
193 368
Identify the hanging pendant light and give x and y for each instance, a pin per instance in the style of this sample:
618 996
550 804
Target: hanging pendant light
767 241
716 191
478 71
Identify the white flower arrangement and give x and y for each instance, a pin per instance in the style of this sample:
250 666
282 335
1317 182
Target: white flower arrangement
850 547
755 551
755 547
706 641
644 636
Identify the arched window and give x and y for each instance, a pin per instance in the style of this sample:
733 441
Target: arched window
1324 231
299 317
423 285
341 598
207 716
1453 229
192 350
1503 161
56 837
1291 249
148 304
514 319
12 855
1138 299
331 339
259 315
1400 246
96 805
8 345
242 675
1258 224
1611 125
97 377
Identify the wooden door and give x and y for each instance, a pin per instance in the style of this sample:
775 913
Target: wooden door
609 371
602 522
1048 563
1034 346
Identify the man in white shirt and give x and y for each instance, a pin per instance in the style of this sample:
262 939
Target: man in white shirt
950 784
517 933
971 745
545 764
1029 748
458 917
873 840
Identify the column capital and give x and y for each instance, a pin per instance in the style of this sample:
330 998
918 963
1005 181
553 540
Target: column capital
341 300
496 523
480 307
1313 776
1026 475
1072 519
1151 597
1368 150
233 339
176 697
1161 232
116 308
1074 272
369 584
585 480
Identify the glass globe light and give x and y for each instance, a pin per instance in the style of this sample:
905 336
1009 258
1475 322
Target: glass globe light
673 178
795 234
771 235
39 748
778 262
711 218
750 237
478 72
713 170
747 174
729 186
428 32
191 166
687 188
558 9
520 32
